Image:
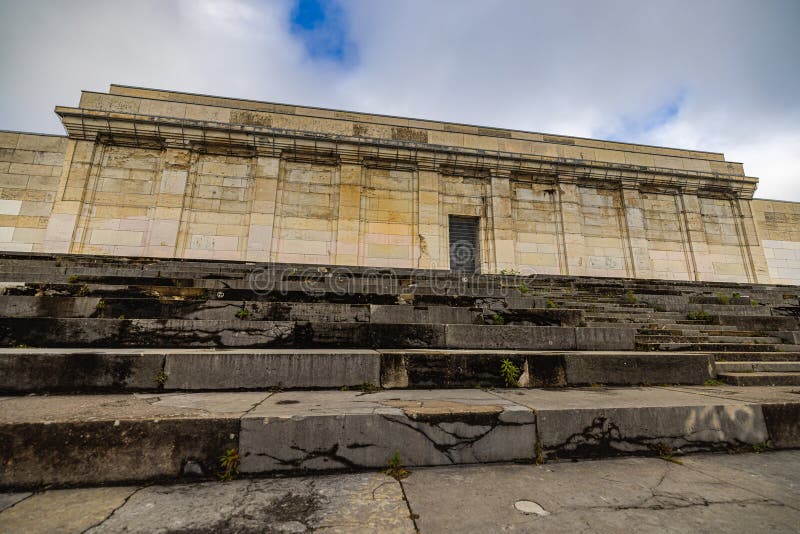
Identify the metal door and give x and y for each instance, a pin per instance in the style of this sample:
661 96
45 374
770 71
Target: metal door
464 244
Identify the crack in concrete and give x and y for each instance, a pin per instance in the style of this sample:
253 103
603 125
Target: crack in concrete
411 515
124 502
461 442
330 453
603 437
723 481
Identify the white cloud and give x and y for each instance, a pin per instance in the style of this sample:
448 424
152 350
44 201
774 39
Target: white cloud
572 67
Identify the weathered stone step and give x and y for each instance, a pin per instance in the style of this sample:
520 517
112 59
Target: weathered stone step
758 367
761 379
752 340
225 310
86 370
85 440
706 347
180 333
777 356
728 330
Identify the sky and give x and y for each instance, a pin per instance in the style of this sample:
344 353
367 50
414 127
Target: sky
717 75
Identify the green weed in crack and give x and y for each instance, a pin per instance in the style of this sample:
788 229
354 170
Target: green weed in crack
396 470
509 372
229 465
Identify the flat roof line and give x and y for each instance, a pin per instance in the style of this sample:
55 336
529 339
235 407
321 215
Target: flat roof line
407 118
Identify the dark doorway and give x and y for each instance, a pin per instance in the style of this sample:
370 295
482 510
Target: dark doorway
464 252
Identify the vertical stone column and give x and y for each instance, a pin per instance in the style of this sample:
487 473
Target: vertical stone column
262 211
571 227
349 213
753 251
502 222
429 230
697 244
63 220
165 215
635 232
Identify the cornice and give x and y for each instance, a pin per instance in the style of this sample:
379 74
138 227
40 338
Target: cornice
246 140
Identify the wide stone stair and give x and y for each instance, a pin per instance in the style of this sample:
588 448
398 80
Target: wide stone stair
129 369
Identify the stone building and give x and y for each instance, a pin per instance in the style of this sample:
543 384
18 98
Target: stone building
145 172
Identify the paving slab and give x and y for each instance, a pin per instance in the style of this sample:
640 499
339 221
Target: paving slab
774 475
370 502
64 511
347 430
632 494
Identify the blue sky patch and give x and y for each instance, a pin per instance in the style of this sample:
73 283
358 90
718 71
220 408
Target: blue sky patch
322 27
632 128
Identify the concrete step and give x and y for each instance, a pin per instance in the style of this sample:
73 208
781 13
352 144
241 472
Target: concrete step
668 338
778 356
24 371
761 379
180 333
104 439
158 307
706 347
758 367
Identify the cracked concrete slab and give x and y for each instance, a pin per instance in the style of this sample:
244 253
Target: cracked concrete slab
336 430
644 495
774 475
600 422
370 502
64 511
709 493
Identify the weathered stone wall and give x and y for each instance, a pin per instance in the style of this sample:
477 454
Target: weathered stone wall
151 173
30 169
778 226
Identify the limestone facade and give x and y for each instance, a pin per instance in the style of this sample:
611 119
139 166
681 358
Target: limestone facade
164 174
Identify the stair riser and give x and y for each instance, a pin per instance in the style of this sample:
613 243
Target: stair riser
758 380
276 334
295 432
86 371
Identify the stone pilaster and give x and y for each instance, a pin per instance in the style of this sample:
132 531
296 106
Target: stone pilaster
165 215
503 237
262 212
751 246
63 221
571 228
639 254
428 227
348 223
702 268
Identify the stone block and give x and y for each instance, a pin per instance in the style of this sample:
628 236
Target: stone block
638 368
148 437
605 338
510 337
31 370
277 368
335 430
602 422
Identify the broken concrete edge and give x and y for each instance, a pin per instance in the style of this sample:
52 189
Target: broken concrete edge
85 370
344 431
